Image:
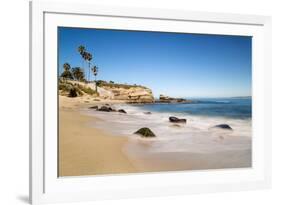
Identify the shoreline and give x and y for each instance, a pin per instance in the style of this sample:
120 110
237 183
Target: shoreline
84 150
136 154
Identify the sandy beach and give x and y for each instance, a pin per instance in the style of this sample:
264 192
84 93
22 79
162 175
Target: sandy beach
84 150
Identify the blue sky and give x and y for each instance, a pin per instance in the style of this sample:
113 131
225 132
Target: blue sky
178 65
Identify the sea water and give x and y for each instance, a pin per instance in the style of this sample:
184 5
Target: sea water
236 108
197 135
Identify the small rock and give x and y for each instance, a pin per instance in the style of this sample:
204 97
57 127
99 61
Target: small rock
122 111
147 113
223 126
145 132
94 107
105 109
175 119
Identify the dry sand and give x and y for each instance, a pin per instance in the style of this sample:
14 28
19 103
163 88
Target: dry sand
84 150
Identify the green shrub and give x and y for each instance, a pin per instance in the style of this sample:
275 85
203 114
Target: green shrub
101 82
72 93
87 90
68 88
64 87
112 84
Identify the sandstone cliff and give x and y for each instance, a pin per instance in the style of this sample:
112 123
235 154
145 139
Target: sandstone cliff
128 93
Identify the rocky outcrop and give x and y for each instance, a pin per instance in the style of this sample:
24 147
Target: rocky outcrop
95 107
122 111
177 120
105 109
129 93
145 132
223 126
167 99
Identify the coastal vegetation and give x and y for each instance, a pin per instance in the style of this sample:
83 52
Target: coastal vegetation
71 88
72 81
111 84
86 57
66 74
95 72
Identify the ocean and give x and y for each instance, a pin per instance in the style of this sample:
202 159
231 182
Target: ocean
236 108
197 135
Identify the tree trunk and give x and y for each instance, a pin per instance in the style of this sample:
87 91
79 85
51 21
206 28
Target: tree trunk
89 72
96 84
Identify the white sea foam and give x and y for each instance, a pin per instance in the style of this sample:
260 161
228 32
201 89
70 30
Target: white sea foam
197 135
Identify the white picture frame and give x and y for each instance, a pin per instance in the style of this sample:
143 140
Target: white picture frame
46 187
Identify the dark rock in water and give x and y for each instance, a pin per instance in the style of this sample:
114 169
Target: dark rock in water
122 111
167 99
72 93
94 107
145 132
163 97
148 113
181 100
224 126
105 109
175 119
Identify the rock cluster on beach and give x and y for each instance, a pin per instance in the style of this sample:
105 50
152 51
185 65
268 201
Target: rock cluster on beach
147 132
107 108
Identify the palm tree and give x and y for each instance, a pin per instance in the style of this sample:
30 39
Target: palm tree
66 74
66 66
78 74
82 50
88 57
95 72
